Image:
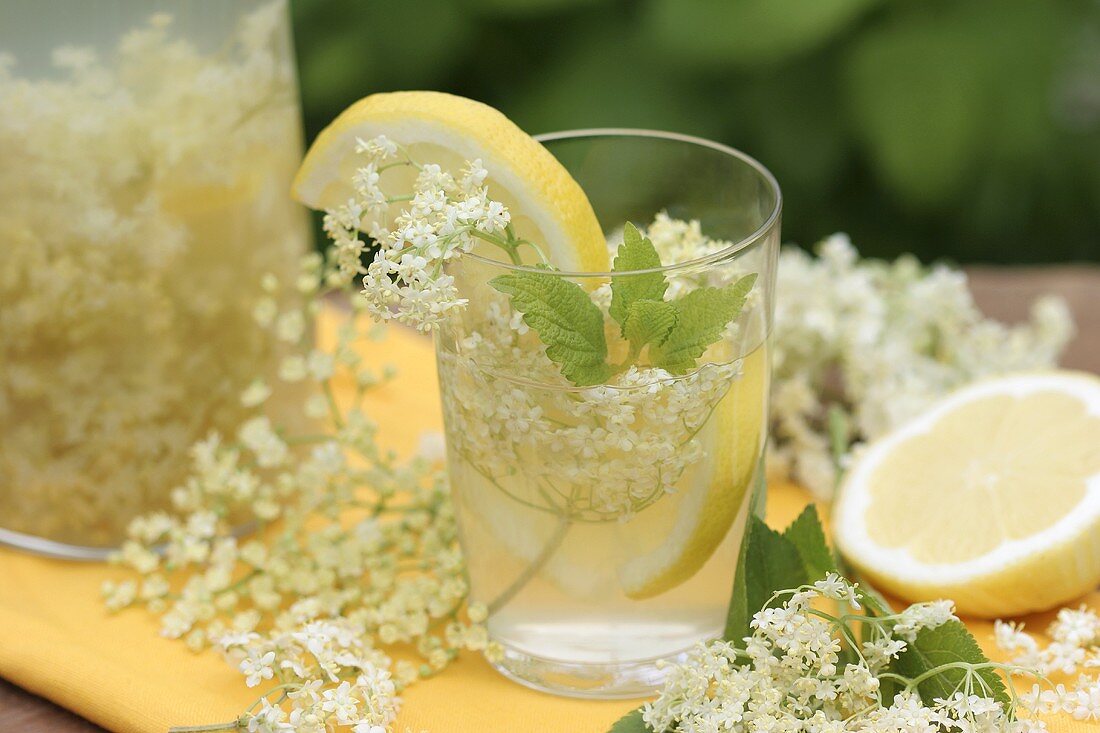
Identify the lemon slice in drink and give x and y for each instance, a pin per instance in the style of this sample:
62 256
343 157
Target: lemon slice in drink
695 525
991 498
546 204
659 548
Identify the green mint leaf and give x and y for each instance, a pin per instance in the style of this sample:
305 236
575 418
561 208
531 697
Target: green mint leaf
770 561
631 723
703 315
944 644
808 537
648 322
635 253
566 320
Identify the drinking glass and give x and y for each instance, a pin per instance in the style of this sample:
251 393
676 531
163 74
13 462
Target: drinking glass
147 155
601 524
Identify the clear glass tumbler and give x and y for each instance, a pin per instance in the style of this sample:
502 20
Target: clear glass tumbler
601 523
147 155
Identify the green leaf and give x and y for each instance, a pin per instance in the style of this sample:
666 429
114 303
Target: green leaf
703 315
944 644
631 723
808 538
566 320
648 322
768 562
635 253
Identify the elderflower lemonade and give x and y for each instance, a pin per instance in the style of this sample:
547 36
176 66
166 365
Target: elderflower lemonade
601 506
601 523
147 155
601 305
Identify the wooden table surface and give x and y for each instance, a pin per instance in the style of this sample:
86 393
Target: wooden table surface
1004 293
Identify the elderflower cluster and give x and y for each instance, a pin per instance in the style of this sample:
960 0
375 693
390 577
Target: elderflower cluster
443 217
863 345
308 653
800 671
139 181
877 343
1074 646
348 550
605 452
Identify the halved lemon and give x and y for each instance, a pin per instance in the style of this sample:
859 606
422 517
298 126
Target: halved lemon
990 498
547 206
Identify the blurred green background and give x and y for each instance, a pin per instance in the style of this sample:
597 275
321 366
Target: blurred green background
960 129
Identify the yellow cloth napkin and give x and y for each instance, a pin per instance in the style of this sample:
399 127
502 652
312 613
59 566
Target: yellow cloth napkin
57 640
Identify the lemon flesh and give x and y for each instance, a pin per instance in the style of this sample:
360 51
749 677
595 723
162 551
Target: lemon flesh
991 498
706 514
547 206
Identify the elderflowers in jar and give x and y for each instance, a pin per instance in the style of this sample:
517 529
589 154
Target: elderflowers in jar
146 162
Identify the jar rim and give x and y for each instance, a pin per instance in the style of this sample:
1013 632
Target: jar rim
743 244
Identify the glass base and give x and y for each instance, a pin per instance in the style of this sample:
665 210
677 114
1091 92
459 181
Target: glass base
612 681
51 548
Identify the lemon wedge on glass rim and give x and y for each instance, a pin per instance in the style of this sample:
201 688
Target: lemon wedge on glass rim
990 498
546 204
548 207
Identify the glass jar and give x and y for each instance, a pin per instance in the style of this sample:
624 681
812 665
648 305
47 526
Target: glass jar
601 517
147 155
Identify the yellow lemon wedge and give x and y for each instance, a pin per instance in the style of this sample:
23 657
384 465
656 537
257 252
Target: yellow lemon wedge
547 206
990 498
698 521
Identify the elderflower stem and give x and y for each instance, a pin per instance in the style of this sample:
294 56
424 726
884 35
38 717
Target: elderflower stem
509 247
536 565
334 409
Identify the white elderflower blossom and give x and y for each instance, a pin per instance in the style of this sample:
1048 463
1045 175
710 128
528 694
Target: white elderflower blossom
799 672
1074 645
642 425
307 609
924 616
257 668
444 217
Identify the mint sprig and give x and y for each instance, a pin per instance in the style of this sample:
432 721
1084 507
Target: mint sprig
677 332
566 320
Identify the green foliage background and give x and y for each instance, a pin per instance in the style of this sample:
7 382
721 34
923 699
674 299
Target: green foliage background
965 129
